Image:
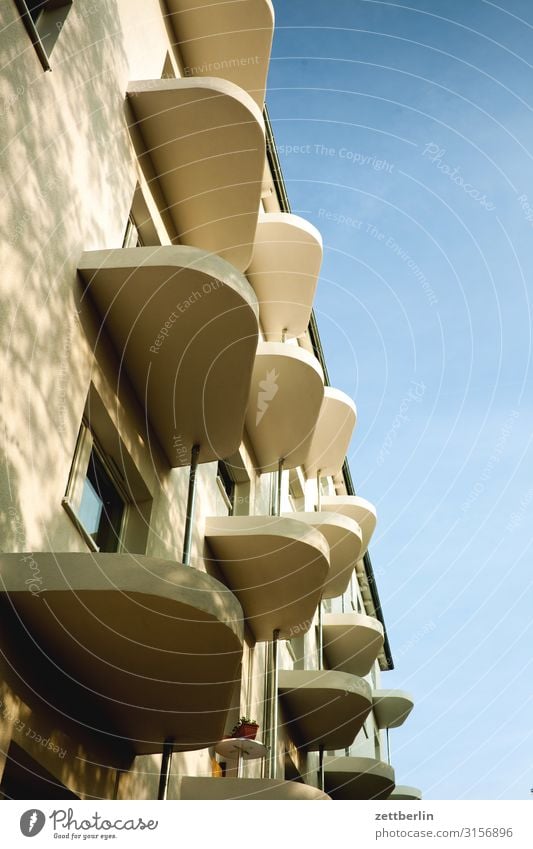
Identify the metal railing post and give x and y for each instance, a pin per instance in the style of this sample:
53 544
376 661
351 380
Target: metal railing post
278 497
166 763
272 707
191 499
320 636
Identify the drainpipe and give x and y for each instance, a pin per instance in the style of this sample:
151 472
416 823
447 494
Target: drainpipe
320 622
272 706
271 688
166 763
278 495
116 788
320 637
191 498
388 746
321 767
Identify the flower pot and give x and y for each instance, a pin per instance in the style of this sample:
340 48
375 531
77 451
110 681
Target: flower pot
247 730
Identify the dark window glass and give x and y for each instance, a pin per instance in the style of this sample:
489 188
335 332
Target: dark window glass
35 7
44 21
227 481
102 507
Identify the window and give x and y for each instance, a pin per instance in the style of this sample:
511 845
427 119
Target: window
140 229
44 21
108 496
102 507
226 485
95 498
296 490
35 8
377 745
168 69
296 647
132 237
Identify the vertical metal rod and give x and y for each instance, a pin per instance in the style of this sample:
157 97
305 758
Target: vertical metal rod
318 491
320 636
321 767
191 498
280 476
272 707
388 746
267 712
166 763
265 769
274 704
116 788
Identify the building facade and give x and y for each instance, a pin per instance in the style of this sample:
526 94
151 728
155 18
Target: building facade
181 541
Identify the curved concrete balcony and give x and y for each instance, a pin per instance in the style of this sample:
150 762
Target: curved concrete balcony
402 792
285 400
358 509
229 40
358 778
275 566
345 542
247 788
284 272
324 708
205 139
155 647
391 707
333 432
185 326
352 642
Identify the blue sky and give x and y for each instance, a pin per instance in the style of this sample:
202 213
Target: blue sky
405 134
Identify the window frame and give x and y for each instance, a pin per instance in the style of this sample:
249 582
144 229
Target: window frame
32 26
101 461
132 237
225 482
85 445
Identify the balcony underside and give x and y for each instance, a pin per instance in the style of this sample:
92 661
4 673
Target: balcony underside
352 642
229 40
284 273
285 399
323 708
358 509
275 566
358 778
402 792
247 789
154 646
184 325
205 140
391 707
333 432
344 539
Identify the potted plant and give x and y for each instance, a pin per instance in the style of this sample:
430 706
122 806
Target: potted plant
245 727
